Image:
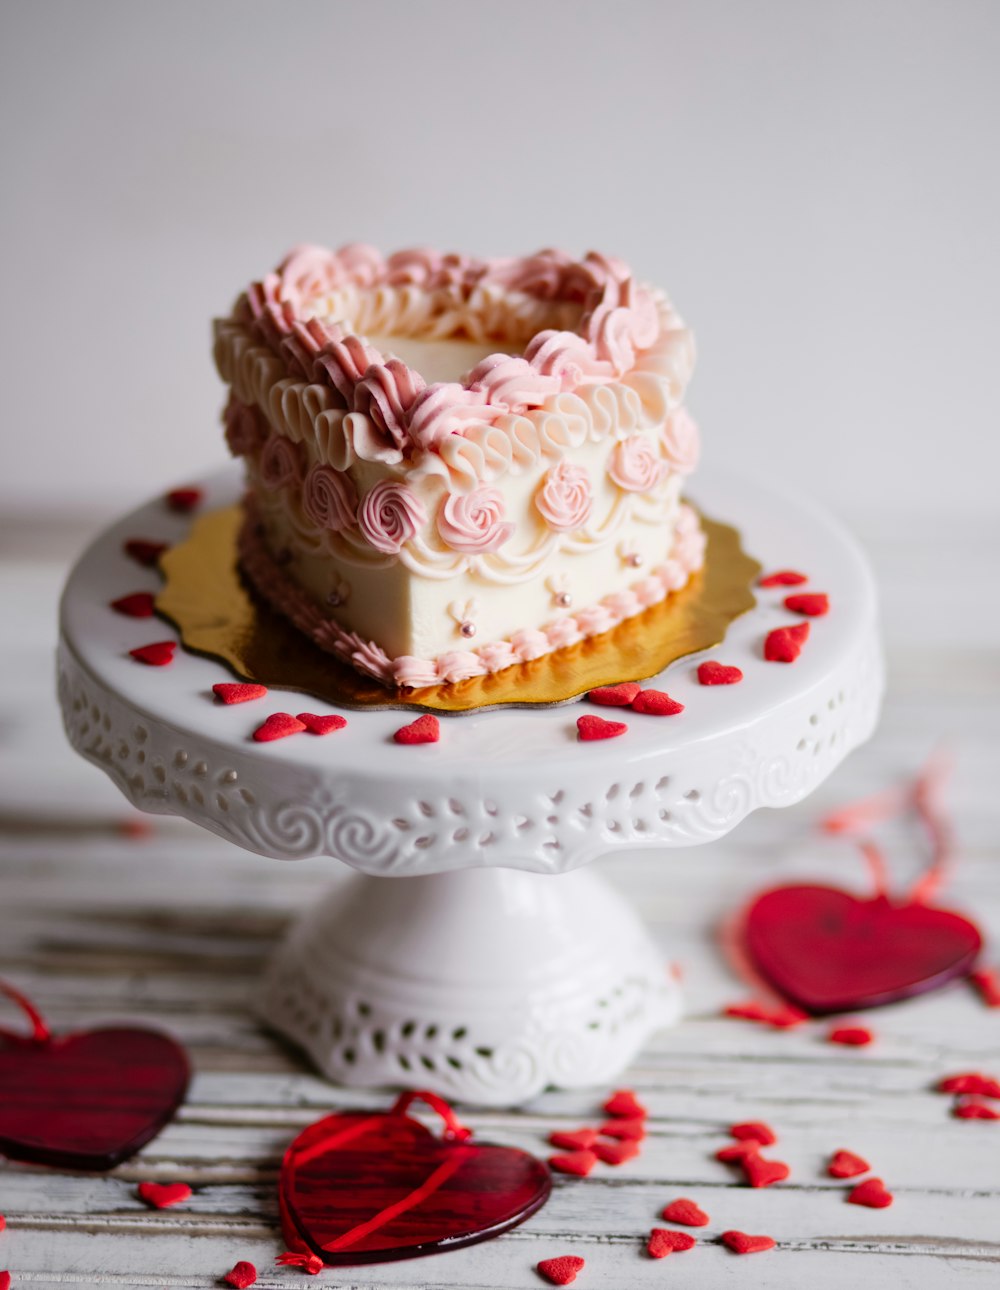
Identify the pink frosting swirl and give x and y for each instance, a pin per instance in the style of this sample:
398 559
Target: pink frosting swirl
415 267
390 515
497 655
280 463
563 632
565 497
413 672
474 521
681 441
385 394
530 643
460 665
634 464
308 271
246 428
442 409
568 357
329 498
508 382
344 361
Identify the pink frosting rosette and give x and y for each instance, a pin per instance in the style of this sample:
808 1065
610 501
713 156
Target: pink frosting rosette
564 499
329 498
390 515
474 521
246 428
280 463
681 441
635 465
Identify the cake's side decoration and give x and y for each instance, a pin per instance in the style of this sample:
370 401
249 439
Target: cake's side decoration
527 443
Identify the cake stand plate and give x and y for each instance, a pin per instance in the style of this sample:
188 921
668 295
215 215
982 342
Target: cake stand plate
454 957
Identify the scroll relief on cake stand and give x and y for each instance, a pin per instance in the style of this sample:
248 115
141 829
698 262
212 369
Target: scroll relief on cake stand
483 973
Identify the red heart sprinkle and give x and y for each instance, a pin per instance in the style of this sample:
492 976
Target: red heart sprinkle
3 1222
754 1129
626 1130
663 1242
238 691
970 1082
741 1243
738 1151
158 654
163 1195
783 578
973 1110
138 605
322 725
310 1263
144 552
615 696
4 1281
616 1153
764 1173
873 1193
813 604
713 673
656 703
579 1163
784 644
623 1104
278 726
987 982
686 1212
845 1164
425 730
590 728
578 1140
854 1036
783 1017
561 1271
184 500
242 1275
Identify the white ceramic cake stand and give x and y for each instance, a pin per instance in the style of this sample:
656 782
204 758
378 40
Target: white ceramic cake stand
471 951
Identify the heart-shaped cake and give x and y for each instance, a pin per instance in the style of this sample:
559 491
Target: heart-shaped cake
371 1186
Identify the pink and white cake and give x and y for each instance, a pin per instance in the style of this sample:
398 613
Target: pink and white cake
455 465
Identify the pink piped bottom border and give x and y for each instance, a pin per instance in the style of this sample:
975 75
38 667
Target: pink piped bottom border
273 582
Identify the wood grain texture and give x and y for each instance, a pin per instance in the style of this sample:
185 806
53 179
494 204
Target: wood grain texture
171 930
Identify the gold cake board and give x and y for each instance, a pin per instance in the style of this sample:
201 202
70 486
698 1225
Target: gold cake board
216 614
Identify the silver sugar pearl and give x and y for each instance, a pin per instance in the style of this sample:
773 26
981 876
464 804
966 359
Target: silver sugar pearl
468 629
564 600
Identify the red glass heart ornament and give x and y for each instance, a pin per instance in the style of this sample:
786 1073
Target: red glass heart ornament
88 1099
829 951
367 1186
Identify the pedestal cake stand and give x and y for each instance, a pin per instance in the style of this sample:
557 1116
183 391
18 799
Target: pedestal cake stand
471 950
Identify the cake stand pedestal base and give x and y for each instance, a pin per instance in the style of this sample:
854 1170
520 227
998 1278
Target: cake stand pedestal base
487 984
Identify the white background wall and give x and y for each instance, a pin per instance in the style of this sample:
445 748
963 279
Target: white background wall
816 185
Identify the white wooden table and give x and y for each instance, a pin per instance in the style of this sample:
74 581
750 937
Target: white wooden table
172 930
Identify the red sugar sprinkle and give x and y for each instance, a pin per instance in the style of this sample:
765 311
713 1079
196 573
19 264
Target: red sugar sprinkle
3 1222
163 1195
686 1212
310 1263
317 724
656 703
854 1036
782 1016
242 1275
783 578
579 1163
872 1193
754 1129
183 500
616 1153
590 728
238 691
970 1082
4 1281
784 644
623 1104
741 1243
615 696
737 1152
713 673
813 604
970 1109
987 982
576 1140
143 551
764 1173
425 730
663 1242
626 1130
137 605
277 726
158 654
845 1164
561 1271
